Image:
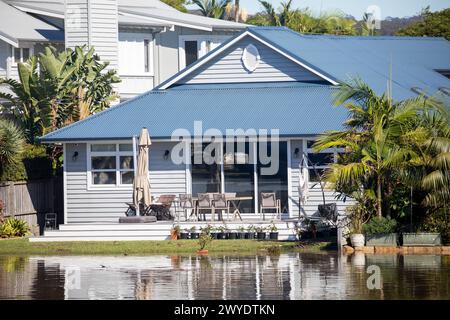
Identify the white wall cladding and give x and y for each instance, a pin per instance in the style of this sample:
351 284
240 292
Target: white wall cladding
93 205
94 23
228 67
315 193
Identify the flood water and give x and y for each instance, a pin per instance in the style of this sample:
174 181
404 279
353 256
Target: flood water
285 276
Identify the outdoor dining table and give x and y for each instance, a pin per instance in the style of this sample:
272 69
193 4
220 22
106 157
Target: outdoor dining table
235 202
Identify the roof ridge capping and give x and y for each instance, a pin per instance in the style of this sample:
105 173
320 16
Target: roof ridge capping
343 37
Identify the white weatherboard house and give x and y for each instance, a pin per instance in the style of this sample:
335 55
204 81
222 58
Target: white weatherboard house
146 41
264 78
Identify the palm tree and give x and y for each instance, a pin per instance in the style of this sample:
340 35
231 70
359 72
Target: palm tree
212 8
270 12
372 139
56 89
11 144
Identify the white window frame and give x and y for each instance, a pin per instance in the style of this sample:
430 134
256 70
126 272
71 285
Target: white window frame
201 45
333 151
117 170
13 59
150 54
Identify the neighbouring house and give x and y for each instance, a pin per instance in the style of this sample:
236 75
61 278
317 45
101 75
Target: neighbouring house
146 41
264 79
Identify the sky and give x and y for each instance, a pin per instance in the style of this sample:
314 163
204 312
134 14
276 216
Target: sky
392 8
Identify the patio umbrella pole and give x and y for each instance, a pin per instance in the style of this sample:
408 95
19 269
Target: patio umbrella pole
135 167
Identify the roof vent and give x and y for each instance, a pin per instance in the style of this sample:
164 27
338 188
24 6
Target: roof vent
445 90
419 91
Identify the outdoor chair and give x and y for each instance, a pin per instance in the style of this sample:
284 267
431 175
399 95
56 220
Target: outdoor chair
162 209
205 203
269 201
221 204
187 204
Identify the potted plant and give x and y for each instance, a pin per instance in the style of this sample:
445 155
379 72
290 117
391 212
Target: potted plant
250 232
184 234
380 232
233 235
221 233
273 231
175 232
194 233
204 240
358 215
260 233
241 233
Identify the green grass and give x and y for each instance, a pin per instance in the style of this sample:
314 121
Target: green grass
24 247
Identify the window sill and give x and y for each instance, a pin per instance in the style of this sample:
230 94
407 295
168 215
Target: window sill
110 187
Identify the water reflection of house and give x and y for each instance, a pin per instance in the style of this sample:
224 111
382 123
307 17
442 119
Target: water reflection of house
16 277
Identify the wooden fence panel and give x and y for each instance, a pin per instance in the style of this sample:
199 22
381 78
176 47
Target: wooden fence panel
29 200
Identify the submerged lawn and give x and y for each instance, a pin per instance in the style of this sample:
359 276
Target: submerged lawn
24 247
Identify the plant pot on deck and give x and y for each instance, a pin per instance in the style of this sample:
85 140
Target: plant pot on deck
249 235
184 235
214 235
261 235
232 235
273 235
195 235
421 239
221 235
241 235
357 240
382 239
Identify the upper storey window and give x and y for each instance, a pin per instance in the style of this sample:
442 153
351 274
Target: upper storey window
193 47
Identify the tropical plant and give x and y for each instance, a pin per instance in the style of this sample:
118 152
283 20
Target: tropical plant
372 136
378 225
12 227
56 89
11 145
212 8
272 228
360 213
177 4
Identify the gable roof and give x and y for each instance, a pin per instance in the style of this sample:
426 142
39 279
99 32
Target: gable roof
339 58
293 108
16 25
141 11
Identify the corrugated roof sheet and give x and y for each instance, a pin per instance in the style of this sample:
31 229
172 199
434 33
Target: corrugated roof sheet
16 25
293 108
413 59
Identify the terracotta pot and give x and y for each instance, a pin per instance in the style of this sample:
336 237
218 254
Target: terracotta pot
204 251
173 235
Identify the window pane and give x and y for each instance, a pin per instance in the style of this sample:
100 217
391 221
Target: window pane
126 177
125 147
103 163
103 147
126 162
205 177
190 51
146 56
321 159
25 54
16 55
104 177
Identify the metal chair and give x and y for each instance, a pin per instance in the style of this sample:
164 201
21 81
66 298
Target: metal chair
220 203
162 210
270 201
205 203
50 221
186 203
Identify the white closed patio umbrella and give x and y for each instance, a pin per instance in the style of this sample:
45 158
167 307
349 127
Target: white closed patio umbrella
141 184
303 185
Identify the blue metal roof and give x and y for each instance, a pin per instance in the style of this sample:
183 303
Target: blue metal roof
413 59
293 108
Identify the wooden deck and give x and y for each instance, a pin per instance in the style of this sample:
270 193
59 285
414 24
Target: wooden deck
159 230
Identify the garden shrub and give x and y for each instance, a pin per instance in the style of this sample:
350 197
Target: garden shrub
378 225
12 227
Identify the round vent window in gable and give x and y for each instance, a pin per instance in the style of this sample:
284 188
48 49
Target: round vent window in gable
250 58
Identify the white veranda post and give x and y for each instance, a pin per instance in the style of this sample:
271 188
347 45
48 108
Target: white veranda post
135 166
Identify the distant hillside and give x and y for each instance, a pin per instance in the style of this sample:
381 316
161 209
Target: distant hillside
390 26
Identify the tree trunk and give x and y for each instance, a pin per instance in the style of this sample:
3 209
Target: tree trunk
379 197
